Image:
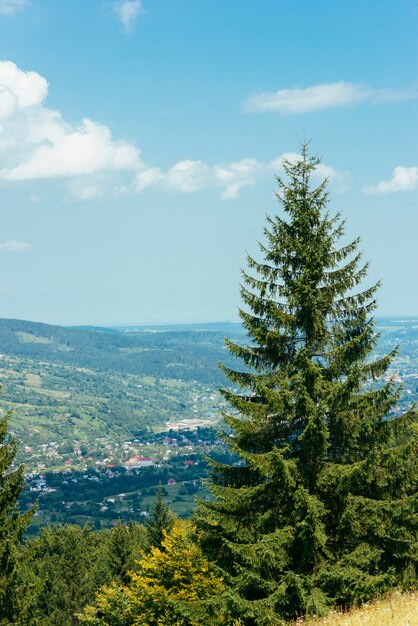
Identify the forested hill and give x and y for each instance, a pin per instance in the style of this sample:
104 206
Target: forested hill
182 352
188 353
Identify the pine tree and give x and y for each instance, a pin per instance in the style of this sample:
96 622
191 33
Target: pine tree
160 521
13 524
322 508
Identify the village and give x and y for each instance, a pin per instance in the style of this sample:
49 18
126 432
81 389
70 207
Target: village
121 484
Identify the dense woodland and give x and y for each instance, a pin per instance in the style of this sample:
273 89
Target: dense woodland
320 510
188 354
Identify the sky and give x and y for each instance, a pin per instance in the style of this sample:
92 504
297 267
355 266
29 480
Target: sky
140 139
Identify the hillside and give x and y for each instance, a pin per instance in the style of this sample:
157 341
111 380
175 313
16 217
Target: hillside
396 609
56 402
186 353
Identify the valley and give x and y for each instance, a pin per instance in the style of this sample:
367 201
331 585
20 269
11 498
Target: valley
102 421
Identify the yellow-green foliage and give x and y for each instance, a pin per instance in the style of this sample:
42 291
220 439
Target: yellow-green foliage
396 609
169 588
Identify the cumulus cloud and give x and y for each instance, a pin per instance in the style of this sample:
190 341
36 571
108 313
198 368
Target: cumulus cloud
36 143
15 246
127 12
8 7
86 149
187 176
19 90
324 96
403 179
230 178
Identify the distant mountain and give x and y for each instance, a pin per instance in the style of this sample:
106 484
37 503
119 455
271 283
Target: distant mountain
180 352
186 352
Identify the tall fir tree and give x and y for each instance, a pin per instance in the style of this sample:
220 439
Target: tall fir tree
13 524
322 508
160 521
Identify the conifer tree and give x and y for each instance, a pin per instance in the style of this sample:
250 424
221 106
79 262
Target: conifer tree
13 524
64 561
160 521
322 508
123 544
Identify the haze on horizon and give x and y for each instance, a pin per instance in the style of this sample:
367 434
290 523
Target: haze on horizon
136 167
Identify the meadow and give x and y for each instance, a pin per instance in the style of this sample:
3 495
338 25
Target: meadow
396 609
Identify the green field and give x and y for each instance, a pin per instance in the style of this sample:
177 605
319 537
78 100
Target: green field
56 402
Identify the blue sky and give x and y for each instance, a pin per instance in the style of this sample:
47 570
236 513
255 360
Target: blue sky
139 142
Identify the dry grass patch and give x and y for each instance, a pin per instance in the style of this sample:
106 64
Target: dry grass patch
397 609
33 380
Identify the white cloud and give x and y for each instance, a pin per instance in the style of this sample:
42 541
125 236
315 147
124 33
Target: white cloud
8 7
15 246
187 176
324 96
149 177
86 190
36 143
403 179
86 149
230 178
127 12
235 176
19 90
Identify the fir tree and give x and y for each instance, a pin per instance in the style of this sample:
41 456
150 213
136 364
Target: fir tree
160 521
124 542
322 508
13 524
62 565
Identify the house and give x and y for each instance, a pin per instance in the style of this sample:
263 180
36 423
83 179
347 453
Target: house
137 462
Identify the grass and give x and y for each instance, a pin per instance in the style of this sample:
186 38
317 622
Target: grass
29 338
396 609
33 380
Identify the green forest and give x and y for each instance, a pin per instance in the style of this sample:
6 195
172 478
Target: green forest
172 353
315 504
